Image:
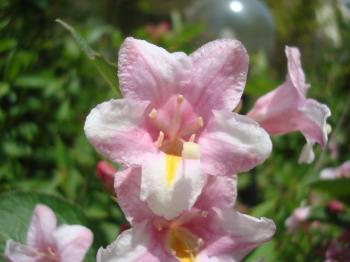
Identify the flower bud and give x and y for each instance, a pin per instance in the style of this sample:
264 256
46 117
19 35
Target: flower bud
105 172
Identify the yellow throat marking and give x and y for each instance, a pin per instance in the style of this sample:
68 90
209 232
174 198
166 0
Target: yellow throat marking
182 250
171 163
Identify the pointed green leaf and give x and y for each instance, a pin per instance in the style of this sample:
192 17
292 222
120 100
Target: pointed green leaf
107 70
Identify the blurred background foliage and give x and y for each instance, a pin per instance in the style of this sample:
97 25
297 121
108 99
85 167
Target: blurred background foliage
48 86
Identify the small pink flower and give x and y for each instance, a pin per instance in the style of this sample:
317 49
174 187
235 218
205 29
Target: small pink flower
105 172
158 30
287 109
46 242
210 231
343 171
298 219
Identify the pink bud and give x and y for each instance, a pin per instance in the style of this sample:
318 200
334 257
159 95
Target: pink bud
335 207
105 172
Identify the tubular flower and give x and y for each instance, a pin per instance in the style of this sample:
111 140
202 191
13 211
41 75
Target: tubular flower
287 109
298 219
343 171
179 105
211 230
48 243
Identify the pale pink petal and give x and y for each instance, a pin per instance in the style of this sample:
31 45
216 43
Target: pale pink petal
127 185
342 171
313 121
297 219
72 242
219 191
239 234
218 76
171 184
148 72
138 244
307 154
115 129
41 228
295 71
16 252
233 143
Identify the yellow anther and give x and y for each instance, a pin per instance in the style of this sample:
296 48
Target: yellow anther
204 214
180 99
190 150
153 114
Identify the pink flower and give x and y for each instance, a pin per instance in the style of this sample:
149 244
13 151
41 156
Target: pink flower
172 99
210 231
105 172
46 242
343 171
176 121
298 219
287 109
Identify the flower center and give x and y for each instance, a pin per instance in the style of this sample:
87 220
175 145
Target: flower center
48 255
177 124
180 241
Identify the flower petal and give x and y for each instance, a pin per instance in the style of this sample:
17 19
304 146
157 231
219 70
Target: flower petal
41 228
307 154
233 143
313 121
127 185
219 74
135 245
115 129
219 191
148 72
239 234
170 184
15 252
72 242
295 72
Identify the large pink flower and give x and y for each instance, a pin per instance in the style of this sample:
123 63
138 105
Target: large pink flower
180 105
287 109
48 243
210 231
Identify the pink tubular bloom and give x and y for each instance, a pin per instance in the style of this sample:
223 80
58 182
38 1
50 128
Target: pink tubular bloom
343 171
210 231
105 172
287 109
180 105
48 243
298 219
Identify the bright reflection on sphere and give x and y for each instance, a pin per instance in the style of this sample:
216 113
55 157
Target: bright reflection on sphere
236 6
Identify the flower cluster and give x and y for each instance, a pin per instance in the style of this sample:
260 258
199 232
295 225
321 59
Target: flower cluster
181 148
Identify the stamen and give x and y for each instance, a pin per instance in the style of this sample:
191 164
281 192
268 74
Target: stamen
192 138
193 128
203 213
160 139
180 99
153 114
177 117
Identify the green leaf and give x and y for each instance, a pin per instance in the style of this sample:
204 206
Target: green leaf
106 69
336 187
16 210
